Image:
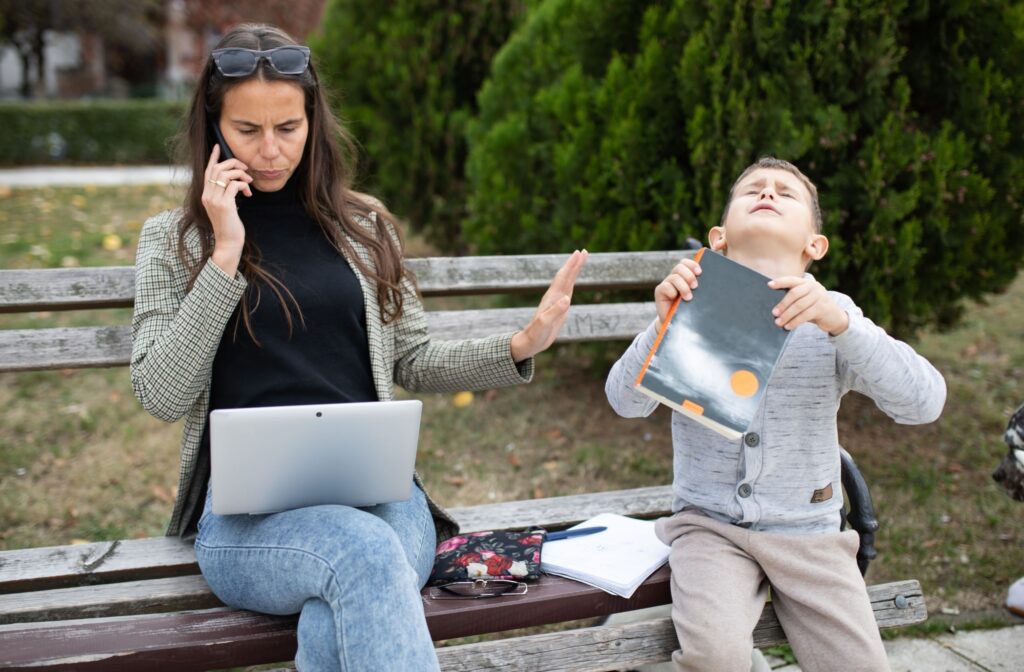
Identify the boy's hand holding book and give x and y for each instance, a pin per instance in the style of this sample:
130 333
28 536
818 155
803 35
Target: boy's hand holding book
679 283
807 300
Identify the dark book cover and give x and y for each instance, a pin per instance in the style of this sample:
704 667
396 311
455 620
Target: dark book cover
715 353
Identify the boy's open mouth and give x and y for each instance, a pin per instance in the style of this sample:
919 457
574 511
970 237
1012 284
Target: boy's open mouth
764 206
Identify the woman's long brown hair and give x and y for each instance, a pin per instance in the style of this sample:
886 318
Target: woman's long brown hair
324 183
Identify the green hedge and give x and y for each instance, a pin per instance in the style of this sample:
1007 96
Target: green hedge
407 73
101 132
621 126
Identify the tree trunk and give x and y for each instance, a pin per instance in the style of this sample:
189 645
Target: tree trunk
26 84
39 45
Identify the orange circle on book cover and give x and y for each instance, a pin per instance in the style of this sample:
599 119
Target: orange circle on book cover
744 383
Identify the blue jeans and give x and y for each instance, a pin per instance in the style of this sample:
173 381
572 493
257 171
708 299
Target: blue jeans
353 575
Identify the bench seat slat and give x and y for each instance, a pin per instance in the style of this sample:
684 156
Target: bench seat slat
208 639
156 557
148 596
551 600
197 640
627 645
82 347
25 290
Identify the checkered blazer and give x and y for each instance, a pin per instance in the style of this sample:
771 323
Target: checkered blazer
175 335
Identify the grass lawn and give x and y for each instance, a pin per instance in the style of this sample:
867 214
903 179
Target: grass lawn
80 460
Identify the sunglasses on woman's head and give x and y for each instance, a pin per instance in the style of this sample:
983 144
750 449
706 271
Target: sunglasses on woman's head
238 62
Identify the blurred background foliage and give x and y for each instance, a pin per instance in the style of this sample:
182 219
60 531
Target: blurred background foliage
623 125
530 126
408 72
136 130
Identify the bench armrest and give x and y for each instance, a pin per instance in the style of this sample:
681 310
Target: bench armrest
861 516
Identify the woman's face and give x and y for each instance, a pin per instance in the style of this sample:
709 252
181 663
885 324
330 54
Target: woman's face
265 125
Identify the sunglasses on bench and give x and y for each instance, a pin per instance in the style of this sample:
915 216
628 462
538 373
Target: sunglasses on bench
238 62
477 588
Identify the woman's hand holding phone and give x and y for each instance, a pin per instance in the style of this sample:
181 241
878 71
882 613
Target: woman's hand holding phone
224 181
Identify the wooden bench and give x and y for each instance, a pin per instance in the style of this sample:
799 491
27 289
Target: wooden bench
142 604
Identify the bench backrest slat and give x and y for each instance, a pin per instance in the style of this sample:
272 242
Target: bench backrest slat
85 347
114 286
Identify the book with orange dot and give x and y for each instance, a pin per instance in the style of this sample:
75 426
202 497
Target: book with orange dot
715 353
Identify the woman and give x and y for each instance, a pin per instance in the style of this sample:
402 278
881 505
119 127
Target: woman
294 292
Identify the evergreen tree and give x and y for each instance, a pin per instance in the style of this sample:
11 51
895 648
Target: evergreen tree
622 126
408 73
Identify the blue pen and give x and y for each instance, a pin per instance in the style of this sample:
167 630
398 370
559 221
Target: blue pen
578 532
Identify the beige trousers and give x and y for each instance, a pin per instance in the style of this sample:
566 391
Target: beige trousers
720 579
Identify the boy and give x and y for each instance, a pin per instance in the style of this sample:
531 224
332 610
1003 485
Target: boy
765 509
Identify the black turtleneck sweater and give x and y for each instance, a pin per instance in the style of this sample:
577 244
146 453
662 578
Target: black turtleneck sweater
325 361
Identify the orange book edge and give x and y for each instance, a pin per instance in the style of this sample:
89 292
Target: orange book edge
664 326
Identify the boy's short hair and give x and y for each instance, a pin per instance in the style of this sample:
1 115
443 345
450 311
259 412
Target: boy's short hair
770 162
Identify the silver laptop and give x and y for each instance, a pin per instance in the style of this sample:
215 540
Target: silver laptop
277 458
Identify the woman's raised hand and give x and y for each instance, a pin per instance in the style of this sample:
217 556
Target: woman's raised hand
223 182
540 333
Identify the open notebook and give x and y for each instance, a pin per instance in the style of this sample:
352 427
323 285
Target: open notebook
617 560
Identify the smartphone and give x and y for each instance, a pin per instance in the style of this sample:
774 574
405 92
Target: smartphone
225 151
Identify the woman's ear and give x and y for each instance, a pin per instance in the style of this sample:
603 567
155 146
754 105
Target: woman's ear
817 247
716 238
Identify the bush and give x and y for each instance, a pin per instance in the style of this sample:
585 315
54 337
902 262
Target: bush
621 126
408 73
113 131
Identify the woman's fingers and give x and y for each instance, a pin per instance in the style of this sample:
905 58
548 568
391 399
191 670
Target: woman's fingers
214 155
549 322
542 330
565 279
235 186
234 174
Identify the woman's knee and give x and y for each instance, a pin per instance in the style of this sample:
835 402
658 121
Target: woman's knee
366 552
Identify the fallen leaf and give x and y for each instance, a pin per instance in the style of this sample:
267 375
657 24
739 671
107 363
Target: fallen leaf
112 242
163 494
462 399
513 459
457 481
79 542
537 492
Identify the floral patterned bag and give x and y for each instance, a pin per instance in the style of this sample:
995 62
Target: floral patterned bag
500 554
